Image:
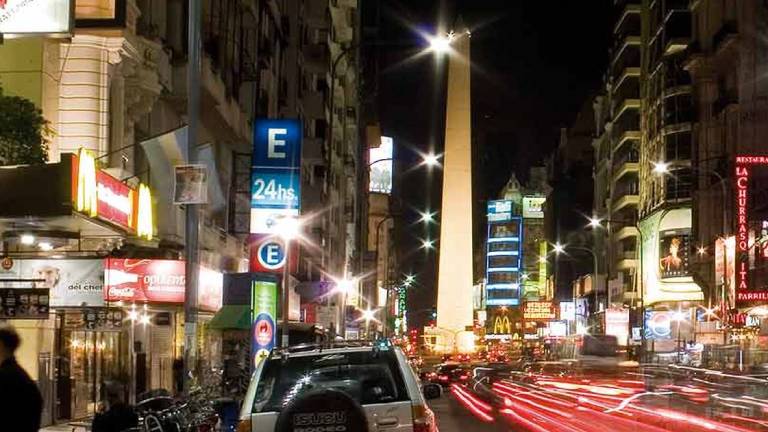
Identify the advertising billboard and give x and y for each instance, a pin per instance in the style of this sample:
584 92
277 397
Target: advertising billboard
533 207
567 311
161 281
499 211
264 313
658 325
380 160
617 324
275 173
34 18
539 311
190 185
674 248
72 282
664 251
725 268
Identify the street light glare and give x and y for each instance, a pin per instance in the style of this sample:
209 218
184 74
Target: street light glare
595 222
441 43
345 285
427 217
559 248
369 315
288 228
431 159
660 168
427 244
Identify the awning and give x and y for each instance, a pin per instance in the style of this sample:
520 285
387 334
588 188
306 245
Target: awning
232 317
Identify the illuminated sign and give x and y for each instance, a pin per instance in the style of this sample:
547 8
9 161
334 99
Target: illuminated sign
160 281
503 257
499 210
617 324
114 200
744 167
98 194
725 266
86 200
539 311
533 207
501 325
380 159
264 313
567 311
36 17
675 247
665 239
658 324
275 173
145 223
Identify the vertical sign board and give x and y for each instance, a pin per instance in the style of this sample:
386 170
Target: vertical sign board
745 176
275 173
264 324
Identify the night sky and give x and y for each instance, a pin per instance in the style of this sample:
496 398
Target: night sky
534 64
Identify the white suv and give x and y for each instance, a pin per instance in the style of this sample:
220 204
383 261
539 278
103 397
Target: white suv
352 387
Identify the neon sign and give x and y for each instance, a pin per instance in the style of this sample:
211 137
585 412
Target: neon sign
744 165
98 194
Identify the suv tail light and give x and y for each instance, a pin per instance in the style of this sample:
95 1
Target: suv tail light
423 418
244 425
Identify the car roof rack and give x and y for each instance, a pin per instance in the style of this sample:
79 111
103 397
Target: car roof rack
327 345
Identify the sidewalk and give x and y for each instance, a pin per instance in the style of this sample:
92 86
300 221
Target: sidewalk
65 427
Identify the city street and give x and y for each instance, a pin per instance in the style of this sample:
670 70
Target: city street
454 417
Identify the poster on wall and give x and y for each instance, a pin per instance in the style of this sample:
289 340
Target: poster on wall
190 184
674 249
71 282
264 313
381 167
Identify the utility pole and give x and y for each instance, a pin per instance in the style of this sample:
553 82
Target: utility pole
192 228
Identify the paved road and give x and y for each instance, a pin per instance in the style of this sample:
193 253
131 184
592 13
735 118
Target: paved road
453 417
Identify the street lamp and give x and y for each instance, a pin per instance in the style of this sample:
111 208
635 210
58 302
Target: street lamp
288 228
431 160
427 244
427 217
441 44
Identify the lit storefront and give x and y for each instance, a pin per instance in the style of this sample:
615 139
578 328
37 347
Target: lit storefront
58 222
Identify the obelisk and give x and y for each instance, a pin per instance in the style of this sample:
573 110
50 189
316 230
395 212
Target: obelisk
454 285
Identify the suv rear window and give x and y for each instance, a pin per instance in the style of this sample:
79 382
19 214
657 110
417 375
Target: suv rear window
369 377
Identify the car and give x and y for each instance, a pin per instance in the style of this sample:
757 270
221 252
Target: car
344 386
450 373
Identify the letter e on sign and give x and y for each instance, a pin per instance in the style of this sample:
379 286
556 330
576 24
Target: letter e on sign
271 255
273 142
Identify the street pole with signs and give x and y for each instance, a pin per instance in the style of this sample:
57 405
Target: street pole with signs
192 229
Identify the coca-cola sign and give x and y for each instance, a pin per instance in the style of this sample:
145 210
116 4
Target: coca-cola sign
160 281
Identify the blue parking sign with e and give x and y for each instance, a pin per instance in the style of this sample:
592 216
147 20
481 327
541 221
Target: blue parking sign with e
271 255
276 170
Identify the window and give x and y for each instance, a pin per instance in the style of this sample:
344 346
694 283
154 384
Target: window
678 146
369 377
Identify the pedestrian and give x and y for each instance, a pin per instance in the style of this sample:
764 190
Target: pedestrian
20 401
117 415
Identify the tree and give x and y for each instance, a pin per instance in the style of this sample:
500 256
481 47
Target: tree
23 132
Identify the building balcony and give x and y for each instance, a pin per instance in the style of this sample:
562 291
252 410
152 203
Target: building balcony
625 167
627 136
626 260
627 74
625 201
624 233
627 10
626 104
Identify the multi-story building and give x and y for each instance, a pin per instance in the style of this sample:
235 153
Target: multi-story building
726 60
616 153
